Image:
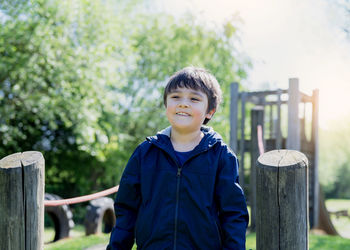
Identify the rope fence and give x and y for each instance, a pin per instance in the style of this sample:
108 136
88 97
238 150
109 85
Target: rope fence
84 198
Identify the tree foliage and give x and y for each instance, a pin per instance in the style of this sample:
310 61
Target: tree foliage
334 170
81 81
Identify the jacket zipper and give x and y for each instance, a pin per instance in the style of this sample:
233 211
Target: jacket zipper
178 175
218 231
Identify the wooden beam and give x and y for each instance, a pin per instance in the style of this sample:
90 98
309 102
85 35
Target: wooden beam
314 141
233 116
257 118
293 138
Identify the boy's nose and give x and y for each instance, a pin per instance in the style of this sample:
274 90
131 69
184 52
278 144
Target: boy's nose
184 104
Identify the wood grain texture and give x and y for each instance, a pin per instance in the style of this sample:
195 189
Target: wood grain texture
233 116
282 200
257 118
11 203
22 201
293 139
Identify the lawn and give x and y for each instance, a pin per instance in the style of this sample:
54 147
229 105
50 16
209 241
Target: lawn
79 241
320 242
342 224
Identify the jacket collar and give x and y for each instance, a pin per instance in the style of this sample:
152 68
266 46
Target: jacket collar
162 139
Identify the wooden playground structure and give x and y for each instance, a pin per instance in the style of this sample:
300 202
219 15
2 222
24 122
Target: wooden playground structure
271 110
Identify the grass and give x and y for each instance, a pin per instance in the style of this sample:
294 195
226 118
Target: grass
79 241
341 224
326 242
316 242
49 234
319 242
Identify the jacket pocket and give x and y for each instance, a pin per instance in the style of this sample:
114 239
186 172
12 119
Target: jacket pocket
141 228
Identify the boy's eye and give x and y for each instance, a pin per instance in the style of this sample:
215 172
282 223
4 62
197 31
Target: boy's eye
195 99
175 96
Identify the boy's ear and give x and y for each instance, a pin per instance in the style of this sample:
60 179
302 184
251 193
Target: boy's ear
210 114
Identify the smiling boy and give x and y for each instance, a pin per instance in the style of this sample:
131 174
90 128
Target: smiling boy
180 187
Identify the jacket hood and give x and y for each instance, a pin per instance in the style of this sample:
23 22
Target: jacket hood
162 138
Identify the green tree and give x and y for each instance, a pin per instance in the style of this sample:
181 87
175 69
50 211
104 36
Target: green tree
82 82
61 62
334 170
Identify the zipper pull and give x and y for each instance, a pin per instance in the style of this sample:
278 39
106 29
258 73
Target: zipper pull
178 172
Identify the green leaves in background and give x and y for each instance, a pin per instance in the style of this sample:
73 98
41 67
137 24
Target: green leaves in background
334 163
82 82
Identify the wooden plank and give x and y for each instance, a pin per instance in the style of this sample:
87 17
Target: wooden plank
264 93
242 140
282 200
278 125
305 98
275 102
257 118
267 220
293 138
233 116
314 141
12 232
34 176
271 134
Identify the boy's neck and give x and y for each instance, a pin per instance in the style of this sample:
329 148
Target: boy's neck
185 141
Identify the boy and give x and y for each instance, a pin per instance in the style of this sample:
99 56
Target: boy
180 187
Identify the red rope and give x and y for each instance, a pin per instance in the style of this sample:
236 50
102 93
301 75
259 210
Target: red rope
260 140
53 203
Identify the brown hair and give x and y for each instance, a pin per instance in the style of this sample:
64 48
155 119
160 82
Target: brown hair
197 79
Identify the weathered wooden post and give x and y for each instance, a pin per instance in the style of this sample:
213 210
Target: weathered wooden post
22 201
293 139
314 139
242 139
278 125
282 200
233 116
257 118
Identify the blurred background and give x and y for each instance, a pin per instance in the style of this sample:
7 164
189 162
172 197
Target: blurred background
81 81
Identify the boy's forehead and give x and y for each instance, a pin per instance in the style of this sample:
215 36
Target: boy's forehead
190 90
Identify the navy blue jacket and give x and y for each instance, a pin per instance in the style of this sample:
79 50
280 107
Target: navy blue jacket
165 205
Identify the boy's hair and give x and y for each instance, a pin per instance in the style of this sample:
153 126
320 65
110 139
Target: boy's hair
197 79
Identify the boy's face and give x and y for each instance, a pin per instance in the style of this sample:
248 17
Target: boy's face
187 108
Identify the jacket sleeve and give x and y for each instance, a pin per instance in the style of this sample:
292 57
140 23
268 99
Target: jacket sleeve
233 213
126 206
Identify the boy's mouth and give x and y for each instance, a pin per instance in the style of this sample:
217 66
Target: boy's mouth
183 114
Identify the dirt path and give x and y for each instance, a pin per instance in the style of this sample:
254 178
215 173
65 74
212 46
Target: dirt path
97 247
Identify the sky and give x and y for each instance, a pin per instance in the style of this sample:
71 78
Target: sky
286 39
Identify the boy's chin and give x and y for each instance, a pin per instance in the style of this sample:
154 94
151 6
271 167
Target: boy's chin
184 127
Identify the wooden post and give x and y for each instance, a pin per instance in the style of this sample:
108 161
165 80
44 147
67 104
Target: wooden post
22 201
271 128
257 118
282 200
278 127
293 138
314 139
234 116
242 140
